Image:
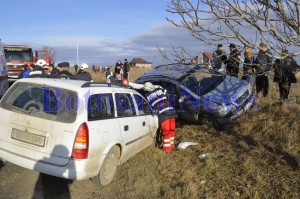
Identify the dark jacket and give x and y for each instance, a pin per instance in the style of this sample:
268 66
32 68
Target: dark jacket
263 61
232 63
284 70
54 71
218 57
84 75
126 67
108 73
37 70
249 63
65 73
158 100
118 67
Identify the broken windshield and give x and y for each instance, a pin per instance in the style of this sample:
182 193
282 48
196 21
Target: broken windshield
202 81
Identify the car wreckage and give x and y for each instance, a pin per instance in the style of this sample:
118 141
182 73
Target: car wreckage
202 94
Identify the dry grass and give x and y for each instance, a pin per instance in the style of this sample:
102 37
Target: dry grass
100 77
257 156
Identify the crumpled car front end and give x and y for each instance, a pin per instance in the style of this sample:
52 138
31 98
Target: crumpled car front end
229 100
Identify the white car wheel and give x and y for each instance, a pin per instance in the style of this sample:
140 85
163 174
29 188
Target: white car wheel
108 168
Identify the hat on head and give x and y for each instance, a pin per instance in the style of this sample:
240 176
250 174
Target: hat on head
41 62
148 86
232 45
84 66
263 44
220 45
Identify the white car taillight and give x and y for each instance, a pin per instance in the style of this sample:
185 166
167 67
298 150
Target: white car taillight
81 144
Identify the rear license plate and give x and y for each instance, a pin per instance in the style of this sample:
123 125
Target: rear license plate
30 138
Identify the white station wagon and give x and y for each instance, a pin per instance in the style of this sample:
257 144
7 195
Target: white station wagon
73 129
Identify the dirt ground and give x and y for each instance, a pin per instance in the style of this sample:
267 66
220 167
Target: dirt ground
19 183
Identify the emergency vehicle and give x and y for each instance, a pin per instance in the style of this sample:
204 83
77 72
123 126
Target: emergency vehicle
3 72
20 56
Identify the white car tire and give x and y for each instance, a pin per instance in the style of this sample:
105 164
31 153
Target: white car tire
108 168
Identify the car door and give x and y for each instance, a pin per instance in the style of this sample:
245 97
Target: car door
145 114
132 127
103 127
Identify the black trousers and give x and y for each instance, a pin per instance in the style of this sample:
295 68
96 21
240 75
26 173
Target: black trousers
262 84
284 90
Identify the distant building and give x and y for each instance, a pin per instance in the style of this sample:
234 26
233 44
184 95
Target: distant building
205 58
140 63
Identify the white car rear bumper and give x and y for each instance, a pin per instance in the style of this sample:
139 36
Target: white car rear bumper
73 170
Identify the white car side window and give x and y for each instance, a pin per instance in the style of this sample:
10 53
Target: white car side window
100 106
125 105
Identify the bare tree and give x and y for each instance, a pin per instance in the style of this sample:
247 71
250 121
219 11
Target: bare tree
245 21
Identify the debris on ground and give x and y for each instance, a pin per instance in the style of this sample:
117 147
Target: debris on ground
184 145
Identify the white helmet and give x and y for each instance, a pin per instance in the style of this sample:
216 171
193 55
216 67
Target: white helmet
41 62
148 86
84 66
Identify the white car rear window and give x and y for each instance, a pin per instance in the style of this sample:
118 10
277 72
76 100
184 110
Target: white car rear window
40 101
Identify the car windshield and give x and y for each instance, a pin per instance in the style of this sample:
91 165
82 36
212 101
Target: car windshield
202 81
18 56
43 102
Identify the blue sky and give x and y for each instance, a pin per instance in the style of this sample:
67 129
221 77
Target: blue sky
105 31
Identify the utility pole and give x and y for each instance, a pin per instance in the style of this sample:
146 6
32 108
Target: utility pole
77 56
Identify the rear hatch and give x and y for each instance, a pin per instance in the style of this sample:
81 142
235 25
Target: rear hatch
38 123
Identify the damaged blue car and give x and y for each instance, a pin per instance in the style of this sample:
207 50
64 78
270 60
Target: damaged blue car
201 94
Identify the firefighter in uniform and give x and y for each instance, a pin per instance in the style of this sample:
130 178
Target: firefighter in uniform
157 99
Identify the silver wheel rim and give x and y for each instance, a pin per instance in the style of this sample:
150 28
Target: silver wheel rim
110 166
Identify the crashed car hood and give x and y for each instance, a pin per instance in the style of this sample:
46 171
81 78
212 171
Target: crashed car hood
231 88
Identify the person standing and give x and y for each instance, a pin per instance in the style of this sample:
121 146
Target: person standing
249 62
264 62
35 70
232 62
25 72
157 99
118 67
76 68
63 72
108 72
126 69
285 74
182 61
52 70
218 57
83 73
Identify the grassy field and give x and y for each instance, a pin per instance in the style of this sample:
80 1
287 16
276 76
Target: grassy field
257 156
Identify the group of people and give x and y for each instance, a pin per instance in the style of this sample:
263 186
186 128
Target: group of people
257 67
58 70
122 68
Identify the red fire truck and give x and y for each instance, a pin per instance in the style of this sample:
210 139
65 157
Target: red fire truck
43 59
3 72
20 56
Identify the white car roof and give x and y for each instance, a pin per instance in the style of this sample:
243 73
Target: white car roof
77 85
